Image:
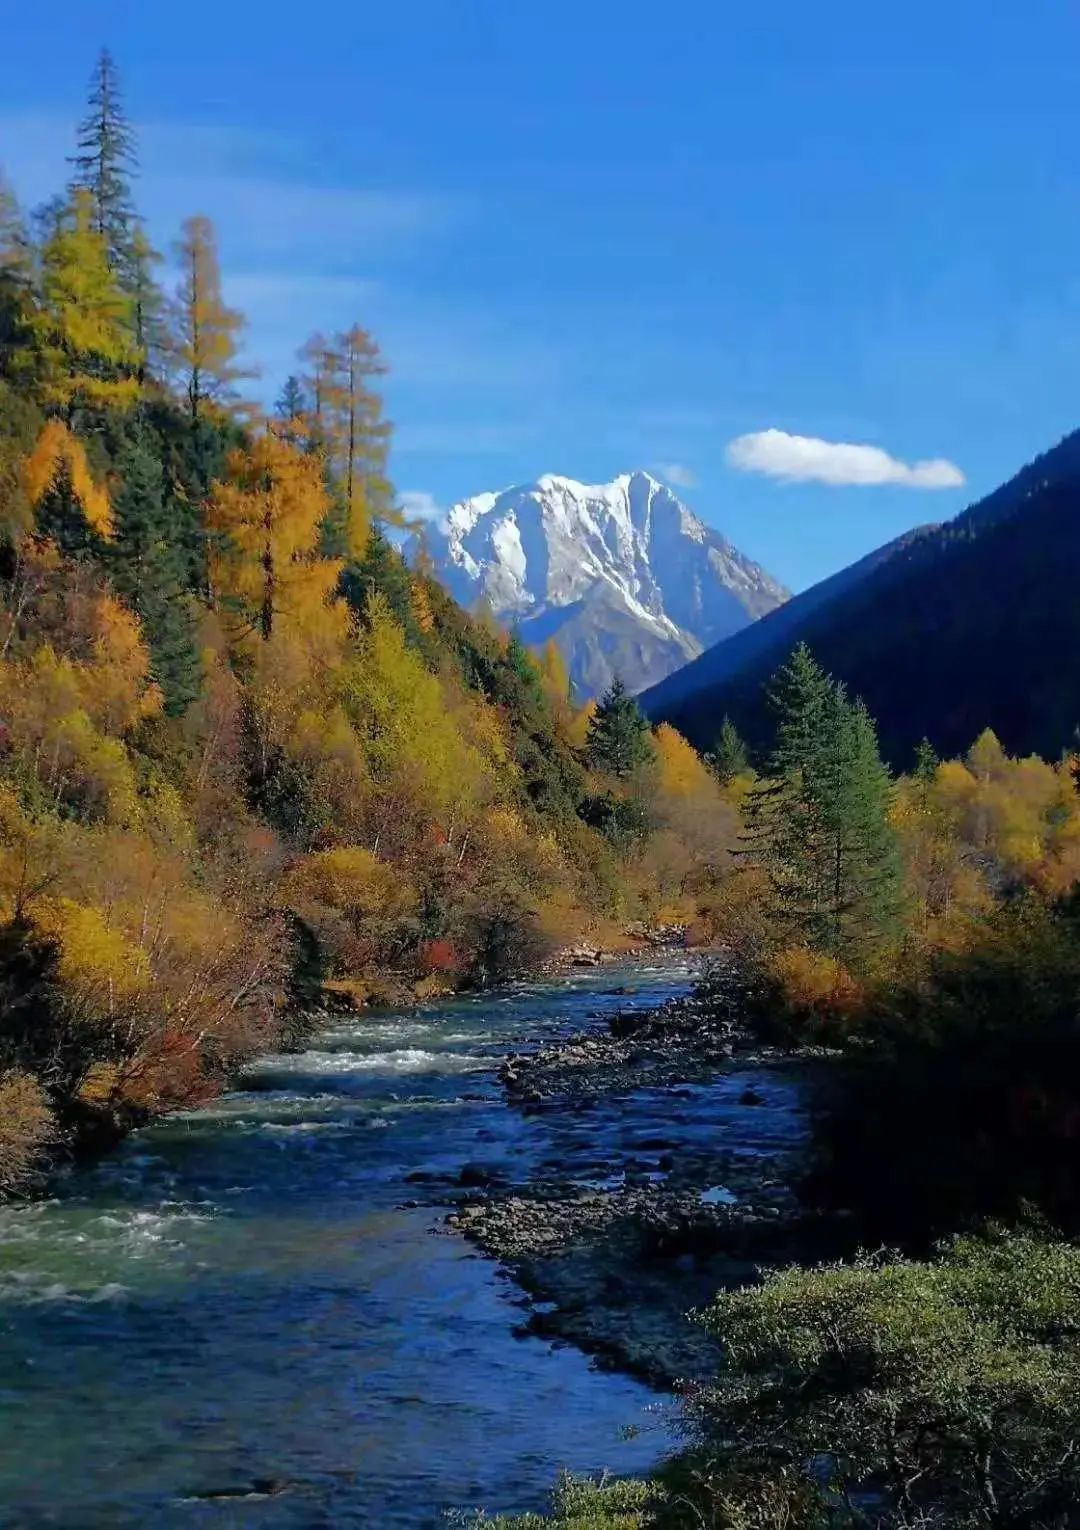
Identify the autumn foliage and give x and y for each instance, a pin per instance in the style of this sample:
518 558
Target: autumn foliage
250 763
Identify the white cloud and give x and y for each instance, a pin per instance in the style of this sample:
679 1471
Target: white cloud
807 459
676 473
419 505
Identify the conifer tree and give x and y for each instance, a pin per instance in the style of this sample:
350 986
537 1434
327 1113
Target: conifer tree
819 820
866 884
321 362
619 741
83 324
347 423
290 403
729 756
61 516
149 320
207 333
105 162
783 813
148 569
926 762
381 570
524 669
265 518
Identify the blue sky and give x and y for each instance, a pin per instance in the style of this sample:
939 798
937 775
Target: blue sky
602 235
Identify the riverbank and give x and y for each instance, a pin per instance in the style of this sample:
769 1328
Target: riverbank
684 1147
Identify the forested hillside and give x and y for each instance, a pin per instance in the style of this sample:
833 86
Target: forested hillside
962 626
248 760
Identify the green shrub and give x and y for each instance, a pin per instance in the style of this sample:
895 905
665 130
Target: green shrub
578 1504
902 1393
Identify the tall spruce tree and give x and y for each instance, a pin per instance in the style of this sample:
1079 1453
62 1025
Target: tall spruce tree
147 563
619 742
105 163
290 405
819 819
381 570
729 756
61 517
783 812
926 762
867 888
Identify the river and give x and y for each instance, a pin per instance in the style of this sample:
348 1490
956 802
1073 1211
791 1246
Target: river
240 1296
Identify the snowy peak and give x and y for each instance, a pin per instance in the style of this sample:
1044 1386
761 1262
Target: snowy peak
622 575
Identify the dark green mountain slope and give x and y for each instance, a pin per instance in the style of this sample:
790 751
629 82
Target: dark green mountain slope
943 633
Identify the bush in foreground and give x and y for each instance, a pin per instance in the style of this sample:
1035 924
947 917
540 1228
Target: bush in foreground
884 1393
584 1505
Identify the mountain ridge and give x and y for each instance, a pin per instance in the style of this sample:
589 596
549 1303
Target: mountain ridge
951 628
623 575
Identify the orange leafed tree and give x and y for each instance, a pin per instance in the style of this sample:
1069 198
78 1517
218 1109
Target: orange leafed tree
58 452
267 516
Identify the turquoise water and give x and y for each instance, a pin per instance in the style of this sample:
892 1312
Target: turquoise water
239 1296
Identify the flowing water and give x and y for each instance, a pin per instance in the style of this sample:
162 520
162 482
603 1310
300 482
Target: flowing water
238 1296
243 1297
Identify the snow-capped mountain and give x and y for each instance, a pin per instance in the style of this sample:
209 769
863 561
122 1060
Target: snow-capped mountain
622 575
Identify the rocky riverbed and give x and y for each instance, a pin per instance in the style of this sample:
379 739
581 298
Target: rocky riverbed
682 1145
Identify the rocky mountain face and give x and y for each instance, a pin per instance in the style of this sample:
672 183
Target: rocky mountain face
623 576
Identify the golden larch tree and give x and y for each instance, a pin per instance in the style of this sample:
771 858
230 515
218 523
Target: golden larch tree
83 323
207 333
349 425
59 454
266 519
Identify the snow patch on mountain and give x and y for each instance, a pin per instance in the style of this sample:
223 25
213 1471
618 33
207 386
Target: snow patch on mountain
623 575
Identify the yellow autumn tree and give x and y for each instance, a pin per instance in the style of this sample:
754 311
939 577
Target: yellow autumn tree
265 518
349 425
59 455
207 333
681 770
82 325
555 680
429 759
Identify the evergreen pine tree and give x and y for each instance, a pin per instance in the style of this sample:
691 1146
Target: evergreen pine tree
729 756
381 569
289 405
784 826
60 516
148 569
104 165
926 762
819 821
619 742
925 771
798 698
866 888
148 307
